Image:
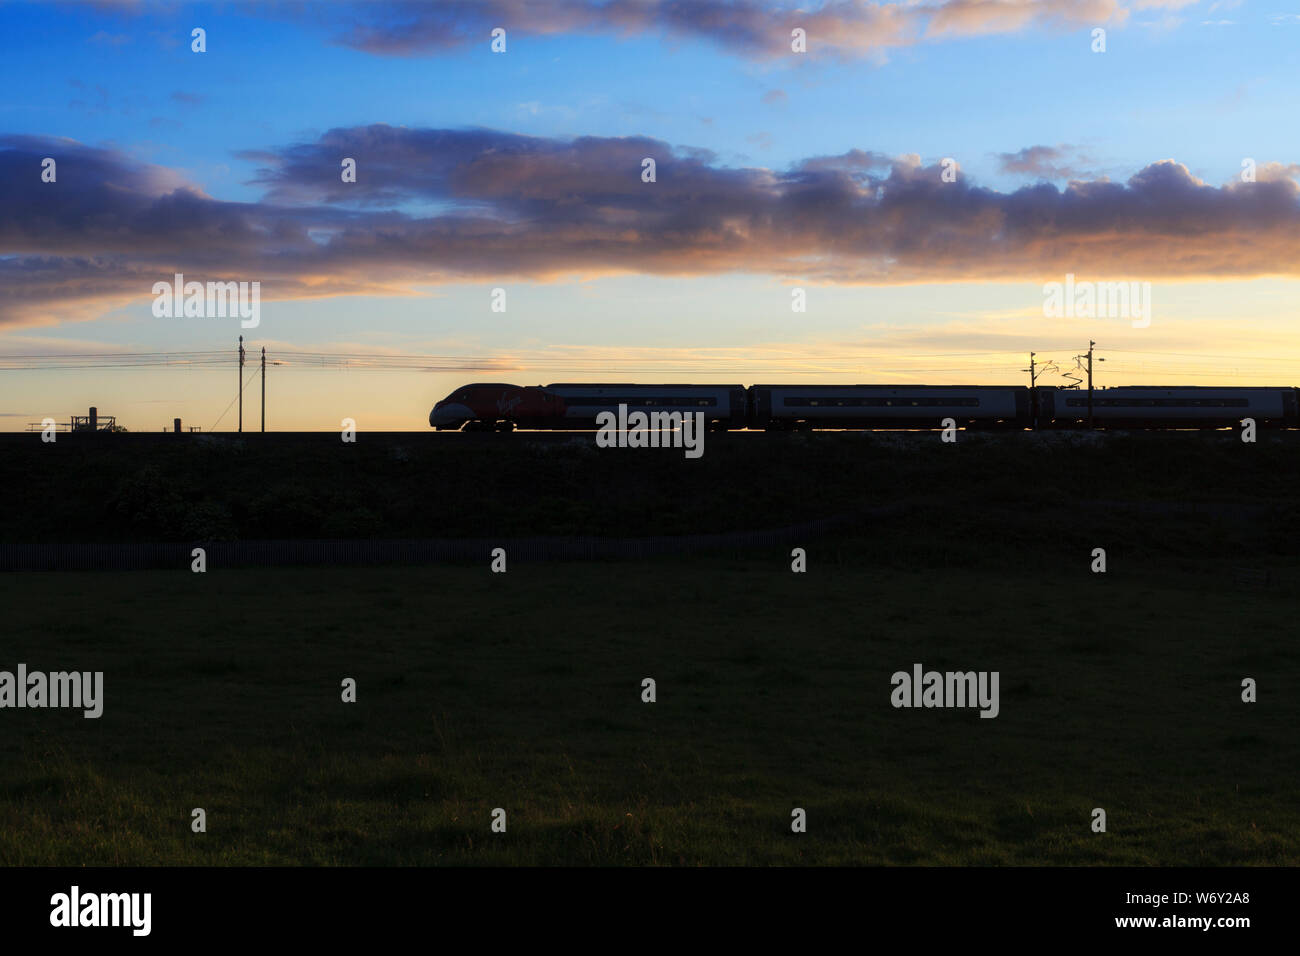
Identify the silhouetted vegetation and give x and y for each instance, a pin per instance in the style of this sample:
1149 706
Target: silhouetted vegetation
1173 493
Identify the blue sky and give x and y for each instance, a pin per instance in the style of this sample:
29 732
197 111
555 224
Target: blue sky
1176 82
1156 92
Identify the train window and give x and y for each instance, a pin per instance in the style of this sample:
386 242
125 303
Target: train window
942 401
1159 402
668 401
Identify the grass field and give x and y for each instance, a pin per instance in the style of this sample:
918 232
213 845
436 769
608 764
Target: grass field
522 691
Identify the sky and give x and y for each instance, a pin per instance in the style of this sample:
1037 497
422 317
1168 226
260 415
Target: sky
919 173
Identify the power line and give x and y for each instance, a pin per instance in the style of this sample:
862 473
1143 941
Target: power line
62 368
80 360
101 354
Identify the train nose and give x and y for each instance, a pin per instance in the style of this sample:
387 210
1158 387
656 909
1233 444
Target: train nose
449 415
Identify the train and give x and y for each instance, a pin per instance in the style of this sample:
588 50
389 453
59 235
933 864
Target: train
495 406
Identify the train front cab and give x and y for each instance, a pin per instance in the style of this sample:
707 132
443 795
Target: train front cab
497 407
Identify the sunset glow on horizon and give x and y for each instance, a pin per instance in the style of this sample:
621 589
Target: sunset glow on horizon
889 206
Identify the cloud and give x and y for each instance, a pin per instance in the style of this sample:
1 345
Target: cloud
100 103
1044 162
751 28
104 38
438 205
1277 172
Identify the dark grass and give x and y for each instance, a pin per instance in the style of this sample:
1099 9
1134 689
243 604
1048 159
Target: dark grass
522 691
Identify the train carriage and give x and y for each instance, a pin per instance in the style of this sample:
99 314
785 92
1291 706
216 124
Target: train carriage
723 406
1184 406
776 407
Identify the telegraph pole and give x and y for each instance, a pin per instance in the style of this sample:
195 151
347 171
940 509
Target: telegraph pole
241 383
1030 370
264 388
